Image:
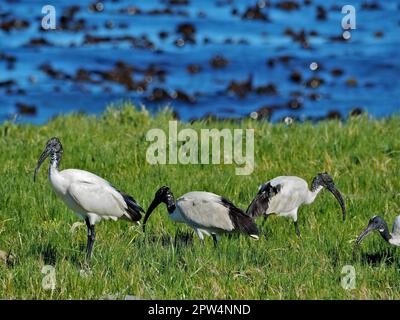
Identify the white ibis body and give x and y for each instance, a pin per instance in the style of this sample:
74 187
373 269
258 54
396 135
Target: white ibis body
89 196
379 224
285 194
207 213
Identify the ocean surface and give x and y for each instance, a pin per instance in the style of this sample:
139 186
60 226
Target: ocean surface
225 58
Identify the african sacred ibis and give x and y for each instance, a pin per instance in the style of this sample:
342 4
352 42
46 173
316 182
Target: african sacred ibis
379 224
89 196
206 212
285 194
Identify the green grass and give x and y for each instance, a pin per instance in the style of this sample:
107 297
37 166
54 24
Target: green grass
362 155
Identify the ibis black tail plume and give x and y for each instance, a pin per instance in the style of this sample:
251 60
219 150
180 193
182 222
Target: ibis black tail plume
241 221
134 208
260 203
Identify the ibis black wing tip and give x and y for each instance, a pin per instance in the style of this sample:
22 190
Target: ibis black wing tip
241 221
134 214
133 208
139 208
260 203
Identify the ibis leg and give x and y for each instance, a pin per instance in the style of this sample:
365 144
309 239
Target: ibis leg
296 227
265 219
200 235
91 238
215 239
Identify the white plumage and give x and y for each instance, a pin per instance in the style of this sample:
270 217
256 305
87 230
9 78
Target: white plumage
206 212
88 195
395 240
91 197
284 195
293 193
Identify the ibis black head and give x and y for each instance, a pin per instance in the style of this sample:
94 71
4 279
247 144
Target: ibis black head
163 195
375 223
325 180
54 149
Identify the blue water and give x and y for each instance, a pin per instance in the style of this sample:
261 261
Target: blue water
371 62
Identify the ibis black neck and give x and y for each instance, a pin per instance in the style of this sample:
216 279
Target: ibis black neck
315 184
171 208
385 233
55 159
169 201
163 195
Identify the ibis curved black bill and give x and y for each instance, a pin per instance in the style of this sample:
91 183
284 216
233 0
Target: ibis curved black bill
43 157
152 207
332 188
364 234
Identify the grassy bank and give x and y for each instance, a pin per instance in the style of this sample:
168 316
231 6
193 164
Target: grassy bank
363 156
